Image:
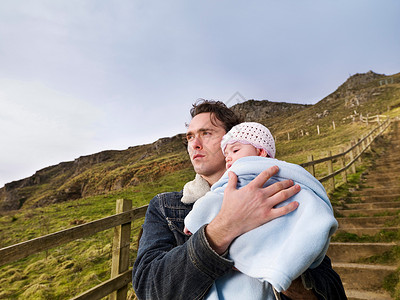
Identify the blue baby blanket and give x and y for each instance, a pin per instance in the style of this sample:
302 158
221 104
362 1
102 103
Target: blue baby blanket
279 251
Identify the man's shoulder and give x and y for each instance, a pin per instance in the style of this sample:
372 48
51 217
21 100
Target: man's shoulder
170 205
170 196
169 199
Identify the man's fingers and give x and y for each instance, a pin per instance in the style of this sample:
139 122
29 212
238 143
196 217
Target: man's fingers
284 210
284 194
232 181
278 187
264 176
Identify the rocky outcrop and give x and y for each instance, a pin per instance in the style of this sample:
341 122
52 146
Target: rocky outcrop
359 80
254 110
358 89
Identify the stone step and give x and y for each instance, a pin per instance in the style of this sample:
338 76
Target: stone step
389 155
360 231
364 222
373 205
362 276
386 169
388 158
376 178
352 252
365 295
375 198
378 191
367 212
385 162
386 181
384 185
393 178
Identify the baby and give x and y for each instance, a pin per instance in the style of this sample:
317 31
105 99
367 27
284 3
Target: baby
271 256
246 139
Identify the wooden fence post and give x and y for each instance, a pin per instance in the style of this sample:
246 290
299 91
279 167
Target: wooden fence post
342 165
359 149
371 139
364 142
330 171
353 164
120 249
318 129
311 168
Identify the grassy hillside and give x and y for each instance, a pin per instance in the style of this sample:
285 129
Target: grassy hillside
71 269
95 182
96 174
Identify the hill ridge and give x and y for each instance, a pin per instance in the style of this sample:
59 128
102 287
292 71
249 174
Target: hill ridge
111 170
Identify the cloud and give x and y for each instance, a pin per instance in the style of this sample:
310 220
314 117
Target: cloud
40 126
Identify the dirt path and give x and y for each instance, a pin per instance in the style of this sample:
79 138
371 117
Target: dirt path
371 214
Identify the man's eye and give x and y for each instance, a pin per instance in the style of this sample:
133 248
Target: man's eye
189 137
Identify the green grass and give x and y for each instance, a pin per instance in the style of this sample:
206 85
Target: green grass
387 258
383 236
66 271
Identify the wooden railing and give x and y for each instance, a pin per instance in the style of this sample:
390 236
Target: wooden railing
352 154
372 119
121 274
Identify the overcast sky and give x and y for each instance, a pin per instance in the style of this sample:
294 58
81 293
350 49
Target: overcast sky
78 77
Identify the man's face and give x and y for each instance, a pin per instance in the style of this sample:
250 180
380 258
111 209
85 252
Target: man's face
204 146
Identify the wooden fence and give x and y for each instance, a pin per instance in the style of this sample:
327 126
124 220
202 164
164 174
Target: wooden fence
372 119
352 154
121 274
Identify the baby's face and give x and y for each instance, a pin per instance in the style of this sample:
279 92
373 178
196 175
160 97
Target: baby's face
237 150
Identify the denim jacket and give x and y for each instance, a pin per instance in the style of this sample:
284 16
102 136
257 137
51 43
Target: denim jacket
172 265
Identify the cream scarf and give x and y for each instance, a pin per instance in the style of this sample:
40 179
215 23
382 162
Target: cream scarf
195 189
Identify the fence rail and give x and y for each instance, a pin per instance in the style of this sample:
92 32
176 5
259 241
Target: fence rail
355 151
372 119
121 274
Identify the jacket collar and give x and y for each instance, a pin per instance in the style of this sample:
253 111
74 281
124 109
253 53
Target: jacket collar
195 189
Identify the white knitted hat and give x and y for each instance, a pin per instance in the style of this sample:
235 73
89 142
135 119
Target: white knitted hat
251 133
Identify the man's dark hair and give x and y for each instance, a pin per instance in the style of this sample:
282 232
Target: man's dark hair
218 111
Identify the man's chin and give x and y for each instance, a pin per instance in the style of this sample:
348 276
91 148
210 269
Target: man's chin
198 169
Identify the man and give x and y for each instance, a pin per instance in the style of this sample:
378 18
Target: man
172 265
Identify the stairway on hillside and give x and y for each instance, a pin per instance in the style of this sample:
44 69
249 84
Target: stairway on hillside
371 213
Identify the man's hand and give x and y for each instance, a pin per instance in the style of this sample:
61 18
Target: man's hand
248 208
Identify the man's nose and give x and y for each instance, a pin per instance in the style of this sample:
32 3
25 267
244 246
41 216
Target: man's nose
197 143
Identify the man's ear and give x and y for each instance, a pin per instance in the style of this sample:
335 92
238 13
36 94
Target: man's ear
262 152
